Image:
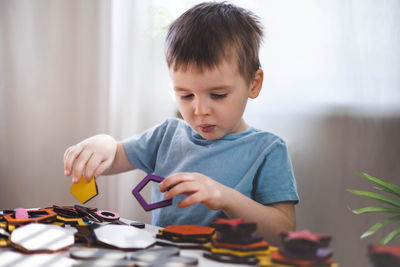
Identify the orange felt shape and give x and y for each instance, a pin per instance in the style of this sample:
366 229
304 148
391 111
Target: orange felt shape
41 215
254 246
189 230
277 256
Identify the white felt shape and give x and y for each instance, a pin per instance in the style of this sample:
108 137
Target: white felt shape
42 237
124 236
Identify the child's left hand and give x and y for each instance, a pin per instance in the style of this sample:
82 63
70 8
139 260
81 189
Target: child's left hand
198 188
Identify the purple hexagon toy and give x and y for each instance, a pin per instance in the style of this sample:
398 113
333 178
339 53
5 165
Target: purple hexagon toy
142 201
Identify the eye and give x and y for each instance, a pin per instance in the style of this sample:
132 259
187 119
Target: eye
188 96
218 96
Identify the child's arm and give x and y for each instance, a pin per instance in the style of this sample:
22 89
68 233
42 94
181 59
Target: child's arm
271 219
95 156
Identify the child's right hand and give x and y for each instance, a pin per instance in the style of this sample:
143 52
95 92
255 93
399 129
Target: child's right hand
91 157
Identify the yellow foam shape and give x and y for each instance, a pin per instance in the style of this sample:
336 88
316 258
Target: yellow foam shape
3 243
239 253
79 221
84 191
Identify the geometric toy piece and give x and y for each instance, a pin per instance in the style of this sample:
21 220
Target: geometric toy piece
21 213
236 231
84 253
124 237
278 257
153 254
142 201
319 255
304 241
169 261
37 237
41 215
73 221
108 215
84 191
262 245
234 225
138 225
225 258
189 230
380 255
65 211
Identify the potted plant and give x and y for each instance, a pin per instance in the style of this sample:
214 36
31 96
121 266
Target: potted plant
392 199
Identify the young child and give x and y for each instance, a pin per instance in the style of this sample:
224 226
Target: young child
214 163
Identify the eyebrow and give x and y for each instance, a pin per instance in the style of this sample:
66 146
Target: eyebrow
214 88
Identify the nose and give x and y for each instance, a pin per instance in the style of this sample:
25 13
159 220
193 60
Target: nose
201 107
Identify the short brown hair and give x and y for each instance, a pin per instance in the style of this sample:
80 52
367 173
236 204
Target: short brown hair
210 32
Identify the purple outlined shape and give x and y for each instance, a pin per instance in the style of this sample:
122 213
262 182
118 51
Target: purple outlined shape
142 201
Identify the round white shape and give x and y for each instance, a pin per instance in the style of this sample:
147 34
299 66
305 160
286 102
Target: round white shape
42 237
124 236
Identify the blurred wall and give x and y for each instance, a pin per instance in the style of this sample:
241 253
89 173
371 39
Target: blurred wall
53 93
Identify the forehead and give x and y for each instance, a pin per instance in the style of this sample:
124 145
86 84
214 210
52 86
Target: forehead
226 73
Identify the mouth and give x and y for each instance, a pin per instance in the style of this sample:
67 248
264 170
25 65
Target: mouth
207 128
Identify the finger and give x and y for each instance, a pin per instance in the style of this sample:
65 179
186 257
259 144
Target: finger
173 180
80 164
72 153
102 167
67 151
184 188
92 164
191 200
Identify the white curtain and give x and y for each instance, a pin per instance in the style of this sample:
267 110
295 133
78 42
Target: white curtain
72 69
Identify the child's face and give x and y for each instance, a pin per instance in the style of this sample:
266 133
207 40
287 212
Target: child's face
213 101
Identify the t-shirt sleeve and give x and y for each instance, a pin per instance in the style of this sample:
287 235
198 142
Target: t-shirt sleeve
142 149
276 181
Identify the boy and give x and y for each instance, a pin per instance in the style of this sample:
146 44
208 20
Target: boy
214 163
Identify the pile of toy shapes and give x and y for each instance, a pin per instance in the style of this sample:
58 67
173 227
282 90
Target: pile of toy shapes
303 248
185 236
94 237
76 223
235 241
384 256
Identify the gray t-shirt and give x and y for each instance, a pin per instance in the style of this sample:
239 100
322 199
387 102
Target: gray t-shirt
253 162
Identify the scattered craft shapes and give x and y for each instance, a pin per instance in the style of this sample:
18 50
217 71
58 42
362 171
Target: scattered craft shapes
37 237
84 191
142 201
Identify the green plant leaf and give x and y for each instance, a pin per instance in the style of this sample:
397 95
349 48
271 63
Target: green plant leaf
391 236
388 187
379 225
376 196
376 209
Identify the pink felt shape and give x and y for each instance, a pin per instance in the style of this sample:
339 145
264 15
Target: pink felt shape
21 213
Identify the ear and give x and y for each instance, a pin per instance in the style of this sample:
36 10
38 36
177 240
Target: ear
256 84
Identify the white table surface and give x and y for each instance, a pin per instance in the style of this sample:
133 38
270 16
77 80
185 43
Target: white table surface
11 257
